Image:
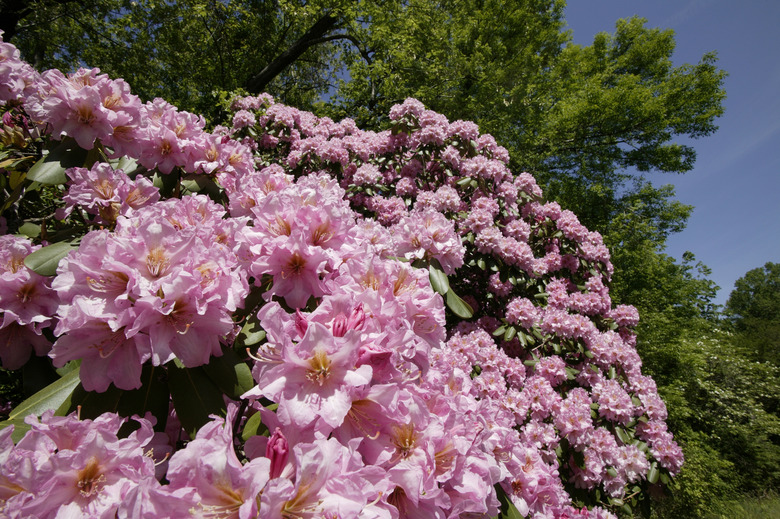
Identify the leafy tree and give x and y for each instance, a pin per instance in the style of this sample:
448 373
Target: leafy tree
188 51
753 309
723 408
588 121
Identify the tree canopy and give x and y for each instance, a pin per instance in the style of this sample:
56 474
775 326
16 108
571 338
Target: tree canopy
586 120
754 311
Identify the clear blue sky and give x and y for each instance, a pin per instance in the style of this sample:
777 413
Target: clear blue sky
735 186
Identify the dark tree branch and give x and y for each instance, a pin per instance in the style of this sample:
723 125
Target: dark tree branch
11 13
14 11
363 52
258 82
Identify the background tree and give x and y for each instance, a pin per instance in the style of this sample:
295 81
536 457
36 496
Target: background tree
723 408
188 51
753 309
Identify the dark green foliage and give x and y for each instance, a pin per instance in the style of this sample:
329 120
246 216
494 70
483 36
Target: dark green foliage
753 310
723 409
185 51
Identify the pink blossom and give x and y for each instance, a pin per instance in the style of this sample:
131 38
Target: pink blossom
314 378
27 304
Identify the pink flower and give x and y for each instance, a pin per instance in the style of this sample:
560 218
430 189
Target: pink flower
314 379
209 477
106 193
27 304
81 468
426 235
296 270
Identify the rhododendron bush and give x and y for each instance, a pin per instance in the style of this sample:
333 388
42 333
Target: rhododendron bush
291 317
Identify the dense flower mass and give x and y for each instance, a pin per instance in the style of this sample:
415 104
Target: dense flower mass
383 324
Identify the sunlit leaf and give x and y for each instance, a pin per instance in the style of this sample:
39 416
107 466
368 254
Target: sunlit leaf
49 398
230 374
51 168
508 509
458 306
44 261
438 278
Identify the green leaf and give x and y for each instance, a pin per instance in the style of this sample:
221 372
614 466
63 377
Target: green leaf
51 168
47 399
195 397
251 333
152 397
251 427
458 306
508 509
623 435
29 229
44 261
230 374
20 428
126 164
438 278
511 331
499 331
653 474
67 368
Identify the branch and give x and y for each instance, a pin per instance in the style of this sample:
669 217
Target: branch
313 36
363 52
12 12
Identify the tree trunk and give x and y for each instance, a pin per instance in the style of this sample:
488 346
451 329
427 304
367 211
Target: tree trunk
314 35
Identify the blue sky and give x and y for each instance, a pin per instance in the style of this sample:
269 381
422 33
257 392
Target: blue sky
735 185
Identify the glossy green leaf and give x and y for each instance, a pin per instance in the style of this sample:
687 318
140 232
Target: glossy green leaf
499 331
438 278
29 229
510 333
230 374
458 306
49 398
623 435
126 164
653 473
195 397
251 334
51 168
44 261
251 427
508 509
20 428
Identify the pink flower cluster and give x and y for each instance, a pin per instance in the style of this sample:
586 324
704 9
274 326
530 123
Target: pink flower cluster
16 76
106 193
95 110
27 304
370 398
163 285
66 467
538 276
